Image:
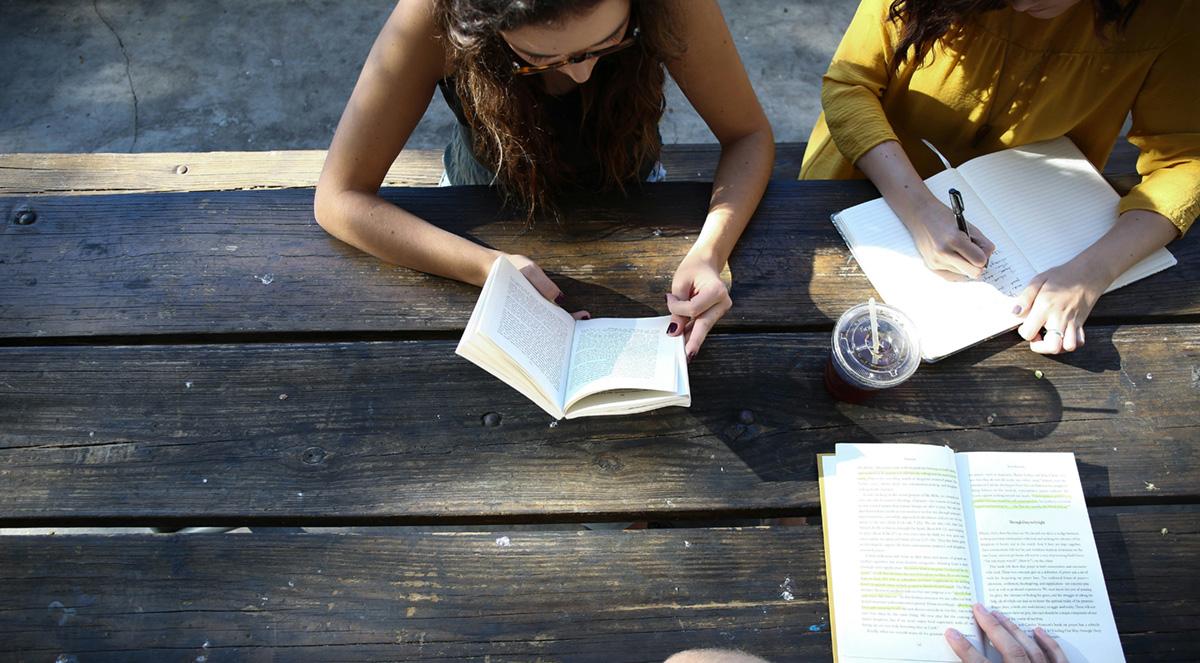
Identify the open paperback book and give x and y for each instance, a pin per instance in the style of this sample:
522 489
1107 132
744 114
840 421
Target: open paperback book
915 534
572 368
1041 205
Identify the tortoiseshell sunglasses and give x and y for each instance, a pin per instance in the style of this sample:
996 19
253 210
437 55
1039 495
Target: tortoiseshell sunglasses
530 69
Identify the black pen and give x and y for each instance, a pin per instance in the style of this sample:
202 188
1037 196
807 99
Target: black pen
957 204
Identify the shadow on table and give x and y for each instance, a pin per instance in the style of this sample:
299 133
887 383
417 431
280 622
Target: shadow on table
966 398
794 418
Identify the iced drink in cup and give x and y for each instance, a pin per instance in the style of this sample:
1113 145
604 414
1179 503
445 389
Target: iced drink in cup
871 351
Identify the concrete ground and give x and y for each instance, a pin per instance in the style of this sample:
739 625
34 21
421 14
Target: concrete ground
177 75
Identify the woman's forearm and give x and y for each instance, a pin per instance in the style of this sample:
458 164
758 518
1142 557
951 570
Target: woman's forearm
389 233
891 171
738 184
1137 234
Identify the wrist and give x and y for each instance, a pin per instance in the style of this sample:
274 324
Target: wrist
483 265
706 253
1096 270
917 210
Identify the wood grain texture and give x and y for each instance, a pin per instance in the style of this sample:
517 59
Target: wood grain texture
82 174
257 262
395 432
85 174
570 596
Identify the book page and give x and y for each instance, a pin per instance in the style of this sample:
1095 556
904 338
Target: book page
615 353
1053 203
1037 559
899 563
950 315
534 332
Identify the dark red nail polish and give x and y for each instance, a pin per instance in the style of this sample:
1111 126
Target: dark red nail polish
691 356
561 299
671 328
586 317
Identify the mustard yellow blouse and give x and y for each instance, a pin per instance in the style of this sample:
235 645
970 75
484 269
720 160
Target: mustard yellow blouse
1030 80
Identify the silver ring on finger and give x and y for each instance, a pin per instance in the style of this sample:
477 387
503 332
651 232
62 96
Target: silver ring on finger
1053 331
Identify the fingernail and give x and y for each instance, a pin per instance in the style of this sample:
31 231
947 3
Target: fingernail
561 299
1017 309
586 316
998 615
691 356
671 328
954 634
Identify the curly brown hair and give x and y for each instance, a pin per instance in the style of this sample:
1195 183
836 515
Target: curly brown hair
923 22
623 100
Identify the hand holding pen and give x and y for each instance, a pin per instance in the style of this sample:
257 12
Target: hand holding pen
948 251
977 250
956 204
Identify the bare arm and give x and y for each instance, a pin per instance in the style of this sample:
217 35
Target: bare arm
711 75
392 93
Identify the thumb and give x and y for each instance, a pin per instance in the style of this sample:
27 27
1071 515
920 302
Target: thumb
962 648
678 322
538 279
1025 300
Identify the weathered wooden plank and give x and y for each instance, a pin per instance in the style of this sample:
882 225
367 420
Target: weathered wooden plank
237 262
84 174
79 174
579 596
394 432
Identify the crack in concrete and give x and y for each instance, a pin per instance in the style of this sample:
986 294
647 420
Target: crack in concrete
128 66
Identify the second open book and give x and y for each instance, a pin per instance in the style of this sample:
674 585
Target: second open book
1040 204
572 368
915 534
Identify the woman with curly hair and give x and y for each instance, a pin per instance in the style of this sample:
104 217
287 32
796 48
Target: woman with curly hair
978 76
550 96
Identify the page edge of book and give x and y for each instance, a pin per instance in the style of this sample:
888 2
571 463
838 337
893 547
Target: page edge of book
821 492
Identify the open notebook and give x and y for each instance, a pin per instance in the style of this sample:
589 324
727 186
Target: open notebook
1041 204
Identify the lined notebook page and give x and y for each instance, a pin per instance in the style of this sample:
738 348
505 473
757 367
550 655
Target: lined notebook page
1053 203
950 315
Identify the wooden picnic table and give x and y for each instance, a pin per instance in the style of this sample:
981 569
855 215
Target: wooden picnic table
176 354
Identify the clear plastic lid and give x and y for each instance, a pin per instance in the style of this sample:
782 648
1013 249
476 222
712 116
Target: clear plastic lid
899 351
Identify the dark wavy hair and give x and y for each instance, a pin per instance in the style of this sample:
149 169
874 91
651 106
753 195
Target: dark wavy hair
622 101
923 22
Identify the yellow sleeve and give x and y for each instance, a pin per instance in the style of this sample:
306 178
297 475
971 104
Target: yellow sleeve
856 80
1166 128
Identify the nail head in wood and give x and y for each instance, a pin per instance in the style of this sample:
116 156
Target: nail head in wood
25 217
491 419
181 169
313 456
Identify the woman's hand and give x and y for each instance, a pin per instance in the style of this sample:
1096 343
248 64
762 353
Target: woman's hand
944 247
544 285
698 298
1060 300
1014 645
